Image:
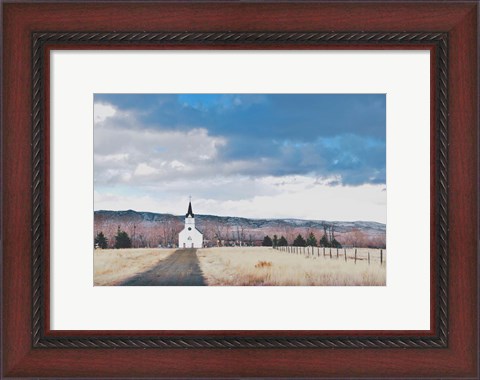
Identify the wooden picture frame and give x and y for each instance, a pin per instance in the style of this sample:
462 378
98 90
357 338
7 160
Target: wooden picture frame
448 30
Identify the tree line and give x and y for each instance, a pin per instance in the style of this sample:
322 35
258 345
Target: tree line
327 240
165 234
122 240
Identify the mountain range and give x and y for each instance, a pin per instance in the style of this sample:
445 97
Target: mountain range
233 221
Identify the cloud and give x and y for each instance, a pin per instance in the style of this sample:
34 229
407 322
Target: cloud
143 169
356 158
285 197
153 156
237 148
103 111
298 117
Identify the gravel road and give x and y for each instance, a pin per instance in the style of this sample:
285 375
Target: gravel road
181 268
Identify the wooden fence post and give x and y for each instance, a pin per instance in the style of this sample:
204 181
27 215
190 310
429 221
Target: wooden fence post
381 256
337 252
330 252
355 255
368 257
345 252
323 251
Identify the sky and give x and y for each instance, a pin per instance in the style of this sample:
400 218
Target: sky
304 156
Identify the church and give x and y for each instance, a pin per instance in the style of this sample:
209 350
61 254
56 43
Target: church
190 237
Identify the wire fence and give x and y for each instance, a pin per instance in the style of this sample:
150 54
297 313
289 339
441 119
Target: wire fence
370 255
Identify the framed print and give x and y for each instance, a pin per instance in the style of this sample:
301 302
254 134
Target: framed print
240 190
210 249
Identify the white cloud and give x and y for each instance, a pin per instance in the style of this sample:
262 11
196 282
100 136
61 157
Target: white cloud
303 199
177 165
152 155
102 111
111 158
144 169
297 197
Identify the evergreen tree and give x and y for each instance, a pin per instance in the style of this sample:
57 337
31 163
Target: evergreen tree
101 241
267 241
275 241
122 240
299 241
282 242
324 241
312 240
336 244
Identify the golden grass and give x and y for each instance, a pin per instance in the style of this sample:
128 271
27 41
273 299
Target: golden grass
111 266
265 266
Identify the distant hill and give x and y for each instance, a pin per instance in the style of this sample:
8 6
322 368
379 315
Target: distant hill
143 216
151 229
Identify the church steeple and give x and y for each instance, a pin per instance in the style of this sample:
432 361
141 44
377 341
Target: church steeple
190 212
190 237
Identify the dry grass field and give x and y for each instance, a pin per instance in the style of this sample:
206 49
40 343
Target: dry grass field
266 266
111 266
249 266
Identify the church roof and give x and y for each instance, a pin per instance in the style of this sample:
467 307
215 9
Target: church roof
190 212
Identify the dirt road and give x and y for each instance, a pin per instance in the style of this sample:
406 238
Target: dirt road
181 268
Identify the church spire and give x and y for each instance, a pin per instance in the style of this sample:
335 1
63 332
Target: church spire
190 212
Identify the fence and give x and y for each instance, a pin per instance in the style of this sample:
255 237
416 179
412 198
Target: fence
371 255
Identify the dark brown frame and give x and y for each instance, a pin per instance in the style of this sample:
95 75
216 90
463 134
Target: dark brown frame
32 30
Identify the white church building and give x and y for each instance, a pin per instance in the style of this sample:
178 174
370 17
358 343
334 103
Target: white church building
190 237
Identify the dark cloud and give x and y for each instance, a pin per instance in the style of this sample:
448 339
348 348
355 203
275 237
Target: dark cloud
301 117
321 135
355 159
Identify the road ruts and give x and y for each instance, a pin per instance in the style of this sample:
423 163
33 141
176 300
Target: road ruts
181 268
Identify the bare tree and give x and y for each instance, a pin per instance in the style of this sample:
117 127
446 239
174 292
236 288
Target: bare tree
355 238
219 232
227 234
239 234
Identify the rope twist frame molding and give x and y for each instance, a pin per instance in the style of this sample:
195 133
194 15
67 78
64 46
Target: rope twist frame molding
315 39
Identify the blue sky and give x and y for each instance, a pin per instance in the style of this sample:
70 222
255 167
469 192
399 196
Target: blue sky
159 147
